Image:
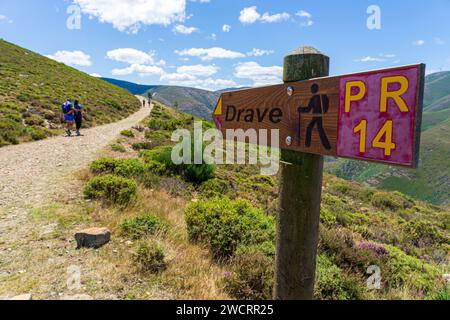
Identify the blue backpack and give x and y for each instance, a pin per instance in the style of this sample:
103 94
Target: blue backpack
66 108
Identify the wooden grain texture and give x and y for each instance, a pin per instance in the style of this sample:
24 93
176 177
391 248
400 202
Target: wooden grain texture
292 123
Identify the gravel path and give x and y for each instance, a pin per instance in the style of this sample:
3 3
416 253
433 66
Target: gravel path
30 171
31 176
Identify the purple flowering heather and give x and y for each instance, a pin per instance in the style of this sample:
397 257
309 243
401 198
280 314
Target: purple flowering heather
378 248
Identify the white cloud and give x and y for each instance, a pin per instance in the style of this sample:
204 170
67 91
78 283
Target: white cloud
206 84
371 59
258 74
4 18
133 56
96 75
210 54
72 58
183 29
226 28
177 77
142 70
251 15
306 18
278 17
259 52
198 70
380 58
439 41
131 15
419 42
304 14
212 36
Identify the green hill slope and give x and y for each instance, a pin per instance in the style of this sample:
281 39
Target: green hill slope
33 87
437 91
197 102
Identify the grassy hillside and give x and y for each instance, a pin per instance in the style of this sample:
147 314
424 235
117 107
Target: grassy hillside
437 91
431 181
202 232
197 102
33 87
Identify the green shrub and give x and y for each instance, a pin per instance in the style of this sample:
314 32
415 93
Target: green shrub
442 294
117 190
144 145
150 180
156 136
224 225
104 165
251 277
266 248
149 257
333 284
118 148
127 133
347 218
37 133
198 173
386 200
34 121
214 188
156 167
141 226
410 271
423 233
162 155
128 168
327 217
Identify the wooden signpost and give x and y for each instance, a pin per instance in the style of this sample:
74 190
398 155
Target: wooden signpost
371 116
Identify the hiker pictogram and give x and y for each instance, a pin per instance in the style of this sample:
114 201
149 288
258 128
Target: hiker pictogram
319 105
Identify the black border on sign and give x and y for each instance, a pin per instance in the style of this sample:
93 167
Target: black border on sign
419 113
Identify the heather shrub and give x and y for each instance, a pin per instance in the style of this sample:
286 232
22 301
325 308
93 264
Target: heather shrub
223 225
251 277
149 257
141 226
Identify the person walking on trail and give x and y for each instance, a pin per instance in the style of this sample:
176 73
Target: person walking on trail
78 116
68 115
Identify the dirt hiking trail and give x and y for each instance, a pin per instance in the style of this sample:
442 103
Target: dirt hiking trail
31 175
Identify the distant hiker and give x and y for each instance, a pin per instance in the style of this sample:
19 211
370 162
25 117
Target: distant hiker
68 115
143 103
78 116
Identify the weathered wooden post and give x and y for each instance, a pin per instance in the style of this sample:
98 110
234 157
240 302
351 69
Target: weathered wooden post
300 196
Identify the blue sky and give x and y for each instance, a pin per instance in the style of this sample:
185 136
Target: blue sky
218 43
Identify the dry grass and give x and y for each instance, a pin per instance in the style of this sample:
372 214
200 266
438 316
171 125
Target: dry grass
109 273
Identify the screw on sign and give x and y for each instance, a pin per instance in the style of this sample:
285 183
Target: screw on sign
372 116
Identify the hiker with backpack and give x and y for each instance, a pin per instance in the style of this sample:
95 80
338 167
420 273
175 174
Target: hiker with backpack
78 116
68 115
